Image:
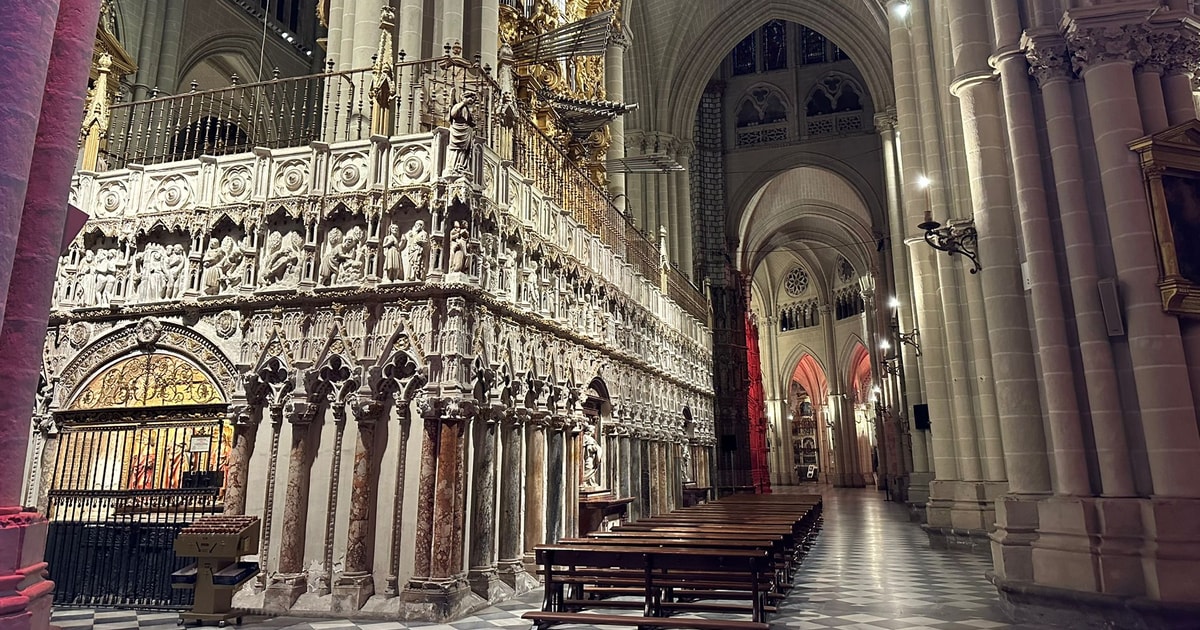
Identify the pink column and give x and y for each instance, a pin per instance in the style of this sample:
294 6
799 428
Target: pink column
38 148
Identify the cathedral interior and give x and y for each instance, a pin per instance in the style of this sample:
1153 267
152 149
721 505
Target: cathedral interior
404 297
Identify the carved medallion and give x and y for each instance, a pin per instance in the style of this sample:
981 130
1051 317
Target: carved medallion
149 331
236 184
226 324
111 199
173 193
410 166
291 178
350 172
78 334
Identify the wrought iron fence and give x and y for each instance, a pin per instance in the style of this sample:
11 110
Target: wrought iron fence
119 496
279 113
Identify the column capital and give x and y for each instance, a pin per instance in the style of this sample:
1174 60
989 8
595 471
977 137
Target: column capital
886 121
1048 56
1095 43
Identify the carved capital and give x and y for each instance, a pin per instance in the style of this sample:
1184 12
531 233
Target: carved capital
1048 56
886 121
1093 46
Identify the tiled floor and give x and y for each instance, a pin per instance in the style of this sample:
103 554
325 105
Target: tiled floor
871 569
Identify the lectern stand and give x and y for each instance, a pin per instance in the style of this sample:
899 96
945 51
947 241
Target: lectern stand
217 543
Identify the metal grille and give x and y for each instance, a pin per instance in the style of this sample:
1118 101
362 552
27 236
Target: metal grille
119 495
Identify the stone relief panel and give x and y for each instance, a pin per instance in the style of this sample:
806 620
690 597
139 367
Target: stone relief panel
282 261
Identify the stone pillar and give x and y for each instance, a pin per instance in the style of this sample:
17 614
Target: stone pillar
1050 65
614 88
512 472
555 481
168 54
1159 368
489 32
291 580
146 79
410 19
44 78
535 485
483 576
356 583
683 201
404 411
245 430
426 484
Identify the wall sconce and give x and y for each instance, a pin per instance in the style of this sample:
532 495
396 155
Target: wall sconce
891 367
956 237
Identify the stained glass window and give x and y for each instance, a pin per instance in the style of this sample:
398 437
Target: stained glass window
838 53
743 56
812 45
774 45
148 380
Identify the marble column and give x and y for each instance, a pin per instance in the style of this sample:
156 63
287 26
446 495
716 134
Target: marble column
512 469
291 580
535 485
245 430
483 575
356 583
555 481
447 528
404 413
426 490
44 80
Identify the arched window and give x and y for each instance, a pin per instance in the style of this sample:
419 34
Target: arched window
834 106
774 45
743 56
762 116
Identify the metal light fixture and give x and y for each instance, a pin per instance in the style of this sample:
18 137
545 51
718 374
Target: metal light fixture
956 237
891 367
911 338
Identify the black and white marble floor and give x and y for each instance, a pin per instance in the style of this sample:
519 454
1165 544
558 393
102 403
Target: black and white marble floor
871 569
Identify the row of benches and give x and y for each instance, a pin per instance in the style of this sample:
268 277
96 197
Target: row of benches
733 556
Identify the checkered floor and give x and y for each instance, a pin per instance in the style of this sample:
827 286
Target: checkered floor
871 569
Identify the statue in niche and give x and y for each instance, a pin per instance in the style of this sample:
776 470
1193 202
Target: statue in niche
115 273
329 257
458 247
350 264
211 277
462 135
590 452
393 268
415 242
150 273
685 464
85 281
281 265
176 265
530 285
231 264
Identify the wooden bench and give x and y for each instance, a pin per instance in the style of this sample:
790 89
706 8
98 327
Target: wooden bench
655 570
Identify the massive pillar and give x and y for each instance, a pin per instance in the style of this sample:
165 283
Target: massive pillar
483 575
290 581
44 77
356 583
535 485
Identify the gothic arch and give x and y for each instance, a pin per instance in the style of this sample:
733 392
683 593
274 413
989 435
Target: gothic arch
146 336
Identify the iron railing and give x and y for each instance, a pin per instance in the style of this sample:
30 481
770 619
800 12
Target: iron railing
279 113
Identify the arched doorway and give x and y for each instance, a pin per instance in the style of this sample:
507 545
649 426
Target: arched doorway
808 437
141 452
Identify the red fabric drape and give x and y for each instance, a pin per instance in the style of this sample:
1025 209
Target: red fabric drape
756 412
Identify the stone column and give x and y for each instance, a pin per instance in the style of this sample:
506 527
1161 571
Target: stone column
356 583
489 32
512 472
146 79
1050 65
290 581
410 21
683 201
245 430
535 485
483 576
44 78
626 464
426 484
555 481
168 54
447 529
404 413
1159 368
614 88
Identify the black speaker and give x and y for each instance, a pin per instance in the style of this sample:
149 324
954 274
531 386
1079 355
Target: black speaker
921 417
728 443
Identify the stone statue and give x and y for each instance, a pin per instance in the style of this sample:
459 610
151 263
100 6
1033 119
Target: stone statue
531 284
330 257
231 265
458 247
210 278
415 242
591 460
281 265
462 135
393 268
176 266
85 281
350 257
685 464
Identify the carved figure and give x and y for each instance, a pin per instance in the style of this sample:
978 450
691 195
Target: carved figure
281 266
591 460
685 464
210 278
351 266
85 282
458 246
231 265
176 265
530 285
415 242
462 134
393 268
329 257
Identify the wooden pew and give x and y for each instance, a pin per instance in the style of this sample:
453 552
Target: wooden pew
658 569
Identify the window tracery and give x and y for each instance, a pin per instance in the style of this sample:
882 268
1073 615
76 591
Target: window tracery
774 45
796 282
148 380
762 117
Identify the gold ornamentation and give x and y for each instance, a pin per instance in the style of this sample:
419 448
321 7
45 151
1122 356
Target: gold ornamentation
148 380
